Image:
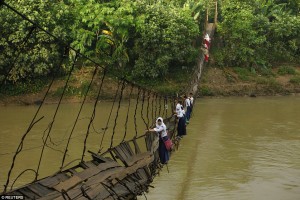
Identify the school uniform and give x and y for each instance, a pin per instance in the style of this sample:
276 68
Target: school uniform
192 104
188 108
163 136
181 129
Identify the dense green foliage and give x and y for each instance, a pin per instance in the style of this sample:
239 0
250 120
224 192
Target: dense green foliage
36 54
257 33
137 38
145 39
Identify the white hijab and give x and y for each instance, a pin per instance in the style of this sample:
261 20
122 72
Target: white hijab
162 122
161 128
207 37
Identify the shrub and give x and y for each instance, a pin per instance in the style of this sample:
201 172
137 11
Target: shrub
205 91
243 73
264 71
283 70
295 80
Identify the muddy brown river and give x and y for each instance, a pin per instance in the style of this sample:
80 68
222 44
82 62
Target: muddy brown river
236 148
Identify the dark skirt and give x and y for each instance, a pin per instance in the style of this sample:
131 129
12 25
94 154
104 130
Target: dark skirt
163 152
188 112
181 128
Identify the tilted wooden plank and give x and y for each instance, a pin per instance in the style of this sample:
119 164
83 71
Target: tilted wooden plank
103 175
51 196
94 170
132 160
130 170
15 193
142 174
97 192
68 184
82 176
74 192
39 189
120 153
155 145
53 180
99 158
90 164
128 148
136 147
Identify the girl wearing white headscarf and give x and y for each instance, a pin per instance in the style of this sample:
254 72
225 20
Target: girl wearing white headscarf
161 130
179 112
207 40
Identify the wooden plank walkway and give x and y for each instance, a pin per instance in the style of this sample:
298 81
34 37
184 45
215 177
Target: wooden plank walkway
129 175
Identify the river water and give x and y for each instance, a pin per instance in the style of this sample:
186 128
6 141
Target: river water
236 148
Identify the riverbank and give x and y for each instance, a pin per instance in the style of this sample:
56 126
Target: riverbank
283 80
31 93
215 82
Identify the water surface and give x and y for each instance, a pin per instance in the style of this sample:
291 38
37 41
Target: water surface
236 149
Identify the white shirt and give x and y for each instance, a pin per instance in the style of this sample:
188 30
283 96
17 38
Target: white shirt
179 110
183 112
187 102
192 99
162 129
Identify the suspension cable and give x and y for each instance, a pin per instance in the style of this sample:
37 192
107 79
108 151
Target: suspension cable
135 111
79 112
142 110
117 115
31 125
92 118
127 115
112 107
55 113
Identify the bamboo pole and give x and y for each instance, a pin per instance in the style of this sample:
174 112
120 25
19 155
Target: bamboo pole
216 13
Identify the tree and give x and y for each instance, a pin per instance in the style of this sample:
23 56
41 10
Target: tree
258 33
27 51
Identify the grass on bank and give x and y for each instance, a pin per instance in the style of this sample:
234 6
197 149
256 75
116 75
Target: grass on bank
173 82
24 87
79 82
240 81
295 80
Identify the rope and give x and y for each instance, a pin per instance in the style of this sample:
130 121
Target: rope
142 110
152 109
112 107
135 111
93 115
54 116
12 185
36 147
31 125
117 115
79 112
127 115
148 104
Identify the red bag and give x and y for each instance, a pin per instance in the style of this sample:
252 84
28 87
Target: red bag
168 144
